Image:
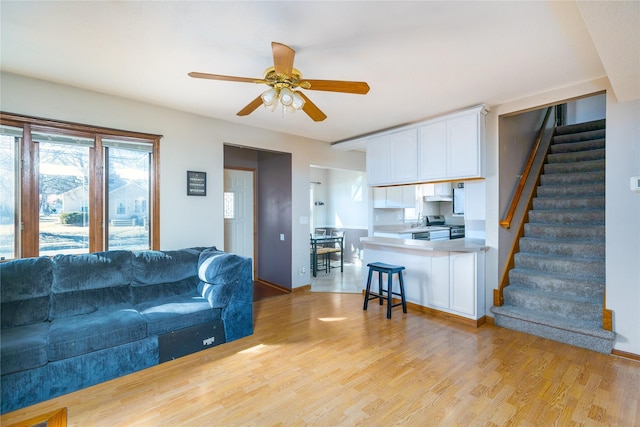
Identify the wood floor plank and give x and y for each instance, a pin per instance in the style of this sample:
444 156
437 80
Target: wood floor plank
319 359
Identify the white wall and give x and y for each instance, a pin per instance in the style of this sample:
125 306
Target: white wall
586 109
189 142
622 205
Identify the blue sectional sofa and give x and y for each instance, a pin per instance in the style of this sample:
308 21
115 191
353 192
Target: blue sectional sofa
72 321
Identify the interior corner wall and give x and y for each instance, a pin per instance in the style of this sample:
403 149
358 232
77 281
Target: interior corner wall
517 135
274 218
623 222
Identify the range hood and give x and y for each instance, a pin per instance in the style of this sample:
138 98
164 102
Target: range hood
439 192
439 198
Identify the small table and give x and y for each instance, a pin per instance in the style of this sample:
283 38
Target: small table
322 241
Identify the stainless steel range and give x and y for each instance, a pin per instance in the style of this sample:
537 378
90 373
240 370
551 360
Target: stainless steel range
455 231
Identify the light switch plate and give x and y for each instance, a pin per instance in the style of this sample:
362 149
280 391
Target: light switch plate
635 183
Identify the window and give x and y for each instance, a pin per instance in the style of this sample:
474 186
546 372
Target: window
229 205
10 138
128 189
81 189
63 184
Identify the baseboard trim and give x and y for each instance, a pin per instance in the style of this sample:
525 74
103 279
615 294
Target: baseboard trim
273 285
443 314
303 288
626 355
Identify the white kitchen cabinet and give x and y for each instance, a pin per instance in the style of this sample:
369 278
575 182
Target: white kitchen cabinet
432 151
403 196
475 200
438 284
377 157
446 148
391 158
451 148
463 286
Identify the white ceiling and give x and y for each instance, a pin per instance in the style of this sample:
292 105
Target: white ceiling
420 58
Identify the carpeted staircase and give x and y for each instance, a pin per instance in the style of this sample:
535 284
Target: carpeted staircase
556 288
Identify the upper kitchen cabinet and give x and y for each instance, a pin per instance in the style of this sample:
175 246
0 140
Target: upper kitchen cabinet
391 158
446 148
451 148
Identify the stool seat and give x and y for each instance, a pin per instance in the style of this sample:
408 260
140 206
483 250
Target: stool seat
384 267
387 294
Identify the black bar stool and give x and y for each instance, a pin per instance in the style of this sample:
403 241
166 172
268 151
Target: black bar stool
389 269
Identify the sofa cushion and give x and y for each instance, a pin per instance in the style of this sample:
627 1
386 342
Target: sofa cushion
155 267
176 312
24 347
25 286
106 327
220 273
84 283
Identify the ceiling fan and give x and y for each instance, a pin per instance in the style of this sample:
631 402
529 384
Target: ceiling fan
283 80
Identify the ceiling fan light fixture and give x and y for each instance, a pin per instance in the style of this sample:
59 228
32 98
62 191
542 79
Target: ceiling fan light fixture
286 96
298 101
270 97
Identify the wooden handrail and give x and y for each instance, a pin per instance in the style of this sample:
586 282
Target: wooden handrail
506 222
498 294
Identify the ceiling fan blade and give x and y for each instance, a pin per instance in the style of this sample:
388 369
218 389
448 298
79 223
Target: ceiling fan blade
225 78
251 107
282 58
312 109
359 88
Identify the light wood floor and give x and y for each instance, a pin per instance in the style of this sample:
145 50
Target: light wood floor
319 359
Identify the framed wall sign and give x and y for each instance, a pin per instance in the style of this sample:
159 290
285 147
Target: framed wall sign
196 183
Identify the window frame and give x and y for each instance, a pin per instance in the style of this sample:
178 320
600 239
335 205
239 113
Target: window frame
27 241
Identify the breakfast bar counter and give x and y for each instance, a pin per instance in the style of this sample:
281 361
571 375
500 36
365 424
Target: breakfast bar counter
445 277
456 245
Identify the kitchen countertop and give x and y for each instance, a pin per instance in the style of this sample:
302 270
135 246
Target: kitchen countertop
402 229
456 245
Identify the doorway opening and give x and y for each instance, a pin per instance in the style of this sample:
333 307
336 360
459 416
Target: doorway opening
259 193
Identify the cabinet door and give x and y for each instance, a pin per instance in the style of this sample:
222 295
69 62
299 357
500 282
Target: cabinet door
403 159
379 197
432 151
463 283
475 200
463 147
438 286
377 156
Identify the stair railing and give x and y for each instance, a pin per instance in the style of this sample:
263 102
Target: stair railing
498 296
506 222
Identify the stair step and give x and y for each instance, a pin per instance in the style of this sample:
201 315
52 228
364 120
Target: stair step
568 232
593 177
582 127
571 190
569 306
563 203
562 285
576 156
585 334
562 248
574 147
555 216
578 268
574 167
578 137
